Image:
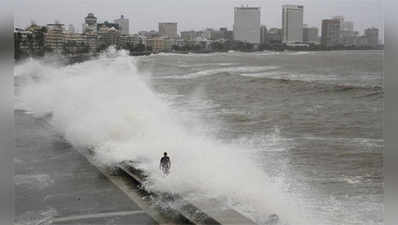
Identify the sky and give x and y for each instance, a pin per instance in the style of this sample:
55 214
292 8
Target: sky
192 14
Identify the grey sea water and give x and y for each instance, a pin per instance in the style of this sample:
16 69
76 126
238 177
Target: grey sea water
314 117
312 121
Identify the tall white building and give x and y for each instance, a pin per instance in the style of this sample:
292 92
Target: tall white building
292 23
124 25
247 24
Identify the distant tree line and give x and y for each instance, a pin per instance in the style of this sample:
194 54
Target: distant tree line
272 46
216 46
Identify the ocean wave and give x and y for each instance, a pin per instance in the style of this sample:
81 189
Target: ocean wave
347 87
189 54
291 76
361 52
269 53
377 93
283 53
203 73
105 103
339 83
167 54
206 64
365 142
298 53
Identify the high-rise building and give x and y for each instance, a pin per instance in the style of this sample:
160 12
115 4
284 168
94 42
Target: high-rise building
292 23
55 37
168 30
347 37
30 39
344 25
75 43
330 33
23 42
341 21
107 36
263 34
372 35
247 24
92 42
90 24
348 26
124 25
75 37
347 34
310 35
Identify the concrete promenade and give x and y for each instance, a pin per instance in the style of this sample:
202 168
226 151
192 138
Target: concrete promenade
54 184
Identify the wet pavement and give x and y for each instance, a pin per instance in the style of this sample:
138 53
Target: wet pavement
55 184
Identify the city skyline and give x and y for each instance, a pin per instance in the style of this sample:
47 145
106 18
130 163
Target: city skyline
189 15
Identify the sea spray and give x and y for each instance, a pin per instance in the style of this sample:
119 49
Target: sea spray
107 105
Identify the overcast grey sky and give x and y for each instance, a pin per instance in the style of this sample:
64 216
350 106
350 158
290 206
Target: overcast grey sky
192 14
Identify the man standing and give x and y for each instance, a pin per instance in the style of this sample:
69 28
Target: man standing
165 164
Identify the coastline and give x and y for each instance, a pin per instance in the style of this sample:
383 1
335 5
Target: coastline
77 58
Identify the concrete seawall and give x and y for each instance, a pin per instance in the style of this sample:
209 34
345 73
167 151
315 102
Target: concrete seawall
201 212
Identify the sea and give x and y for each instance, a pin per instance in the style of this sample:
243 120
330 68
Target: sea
296 134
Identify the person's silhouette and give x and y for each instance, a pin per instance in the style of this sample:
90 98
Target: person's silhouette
165 164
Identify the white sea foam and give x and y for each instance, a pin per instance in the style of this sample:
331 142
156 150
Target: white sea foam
232 70
106 104
298 53
277 75
205 65
268 53
167 54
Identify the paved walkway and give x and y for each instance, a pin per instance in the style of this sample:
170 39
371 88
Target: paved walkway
54 184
